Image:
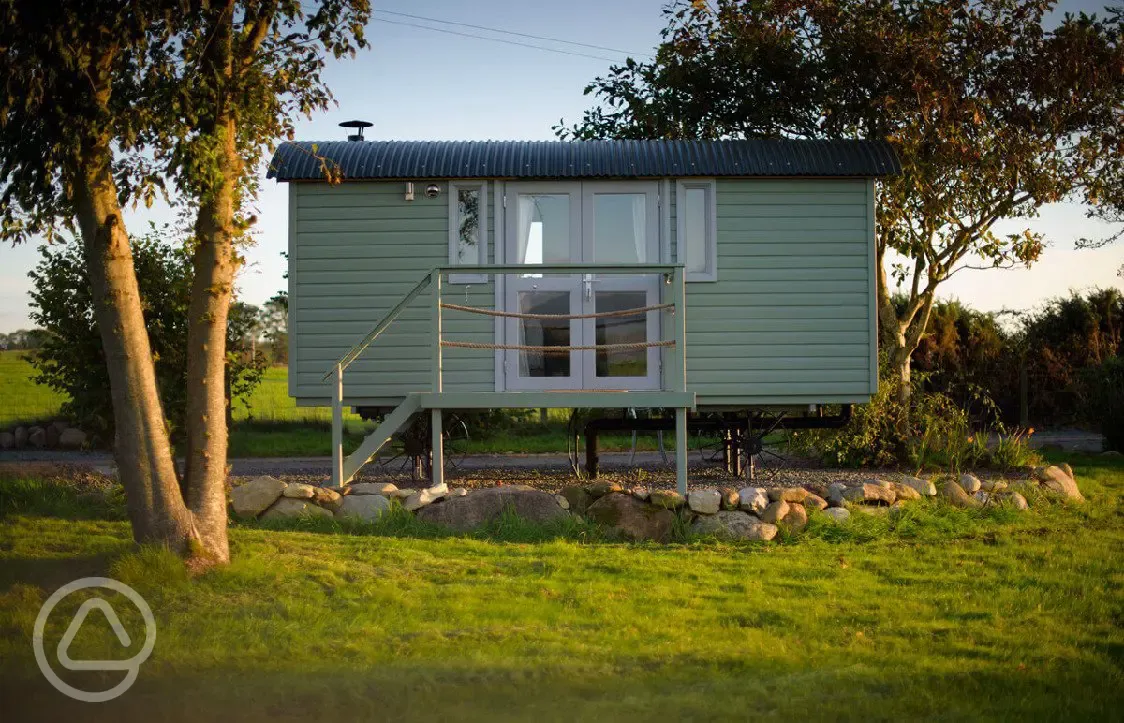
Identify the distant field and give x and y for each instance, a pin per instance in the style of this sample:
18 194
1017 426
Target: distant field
22 400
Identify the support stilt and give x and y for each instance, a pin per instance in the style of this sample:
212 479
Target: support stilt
438 465
681 450
337 428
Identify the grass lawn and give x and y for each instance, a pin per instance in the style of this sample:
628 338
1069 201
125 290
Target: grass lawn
936 614
22 400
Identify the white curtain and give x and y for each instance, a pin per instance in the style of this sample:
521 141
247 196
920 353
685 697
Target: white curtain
526 216
639 232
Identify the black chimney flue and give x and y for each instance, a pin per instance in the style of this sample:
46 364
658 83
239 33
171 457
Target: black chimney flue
358 125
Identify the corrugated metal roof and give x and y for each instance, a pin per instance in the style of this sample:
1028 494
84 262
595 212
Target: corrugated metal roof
581 159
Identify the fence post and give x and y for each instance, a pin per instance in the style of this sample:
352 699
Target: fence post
337 428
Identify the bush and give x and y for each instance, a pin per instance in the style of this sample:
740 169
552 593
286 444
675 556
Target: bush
1103 395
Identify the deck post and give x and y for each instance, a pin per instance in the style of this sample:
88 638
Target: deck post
681 450
337 428
435 281
438 444
679 376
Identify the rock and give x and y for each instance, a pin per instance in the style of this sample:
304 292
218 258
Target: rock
868 493
970 483
362 507
254 497
814 500
600 488
326 498
562 502
579 499
52 436
299 491
705 502
426 496
733 525
835 494
955 494
1015 500
667 499
482 506
1057 481
7 440
796 519
788 494
903 492
775 512
19 437
820 490
372 488
878 482
839 514
753 499
633 518
1112 453
989 485
288 507
923 486
457 492
72 439
400 494
730 498
982 497
1067 469
640 493
59 425
37 437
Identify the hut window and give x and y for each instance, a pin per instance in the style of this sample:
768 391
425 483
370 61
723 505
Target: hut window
696 229
468 229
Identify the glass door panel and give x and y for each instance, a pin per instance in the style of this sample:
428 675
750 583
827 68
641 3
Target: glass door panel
544 333
620 330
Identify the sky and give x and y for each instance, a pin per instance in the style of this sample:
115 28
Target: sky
418 84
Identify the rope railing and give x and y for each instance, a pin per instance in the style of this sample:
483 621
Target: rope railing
557 317
558 350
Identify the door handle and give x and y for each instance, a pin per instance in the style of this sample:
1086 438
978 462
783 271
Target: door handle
587 280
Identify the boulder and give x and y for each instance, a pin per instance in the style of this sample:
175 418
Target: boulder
1058 482
924 487
400 494
37 437
633 518
254 497
372 488
870 494
426 496
879 482
838 514
733 525
72 438
667 499
775 512
7 440
955 494
970 483
562 502
982 497
753 499
288 507
788 494
59 425
1014 499
730 498
482 506
796 518
1067 469
705 502
903 492
457 492
579 499
299 491
993 485
362 507
813 500
640 493
835 494
600 488
19 437
328 499
52 436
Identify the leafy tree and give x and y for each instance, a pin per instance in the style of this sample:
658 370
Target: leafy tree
275 326
992 115
71 359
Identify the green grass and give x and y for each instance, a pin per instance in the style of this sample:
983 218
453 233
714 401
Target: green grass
937 614
22 400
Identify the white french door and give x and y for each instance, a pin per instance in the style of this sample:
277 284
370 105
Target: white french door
588 222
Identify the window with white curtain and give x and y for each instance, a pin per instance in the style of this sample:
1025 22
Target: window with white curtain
696 232
468 229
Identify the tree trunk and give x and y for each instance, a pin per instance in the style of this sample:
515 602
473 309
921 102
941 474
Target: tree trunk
141 446
211 291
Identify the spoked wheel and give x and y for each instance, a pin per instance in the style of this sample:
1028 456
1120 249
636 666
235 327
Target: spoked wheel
757 461
411 452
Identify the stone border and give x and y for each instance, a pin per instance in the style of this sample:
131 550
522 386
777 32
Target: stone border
58 434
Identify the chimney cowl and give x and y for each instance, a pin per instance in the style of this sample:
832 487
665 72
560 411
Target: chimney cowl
358 125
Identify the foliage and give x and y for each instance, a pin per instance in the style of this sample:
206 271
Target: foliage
1103 394
991 114
274 325
72 362
885 616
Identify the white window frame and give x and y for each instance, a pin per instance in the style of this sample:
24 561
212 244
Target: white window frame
455 188
711 240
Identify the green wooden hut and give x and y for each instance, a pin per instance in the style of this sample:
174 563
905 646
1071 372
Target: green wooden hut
693 275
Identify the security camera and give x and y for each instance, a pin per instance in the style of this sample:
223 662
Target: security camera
432 190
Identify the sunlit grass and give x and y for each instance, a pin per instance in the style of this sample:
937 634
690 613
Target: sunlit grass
22 400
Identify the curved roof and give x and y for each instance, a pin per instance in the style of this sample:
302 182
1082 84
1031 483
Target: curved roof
359 160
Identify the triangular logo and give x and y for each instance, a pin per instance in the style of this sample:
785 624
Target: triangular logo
72 631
